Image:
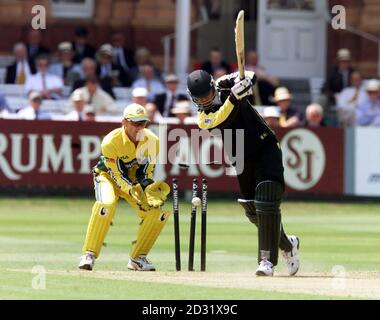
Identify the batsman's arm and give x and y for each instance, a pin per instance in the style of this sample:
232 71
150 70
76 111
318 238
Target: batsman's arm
220 118
226 82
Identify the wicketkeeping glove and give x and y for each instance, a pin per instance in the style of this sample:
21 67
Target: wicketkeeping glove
156 193
243 88
138 194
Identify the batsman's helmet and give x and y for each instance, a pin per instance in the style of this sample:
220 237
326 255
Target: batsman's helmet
201 88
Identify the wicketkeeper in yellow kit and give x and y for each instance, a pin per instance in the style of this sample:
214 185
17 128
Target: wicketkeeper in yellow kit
125 170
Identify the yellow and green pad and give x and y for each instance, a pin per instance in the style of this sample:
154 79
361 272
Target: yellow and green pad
100 221
149 230
156 193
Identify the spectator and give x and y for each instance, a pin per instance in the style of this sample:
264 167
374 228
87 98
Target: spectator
123 57
289 117
96 97
149 81
153 114
33 111
266 84
215 62
88 70
166 100
368 112
65 68
182 111
4 108
106 69
89 114
251 64
49 85
314 116
79 105
140 96
214 8
349 99
220 72
339 76
22 68
272 116
81 47
34 47
143 57
263 91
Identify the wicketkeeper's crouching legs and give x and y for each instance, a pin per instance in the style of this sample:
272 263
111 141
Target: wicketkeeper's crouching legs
100 221
103 211
102 214
152 223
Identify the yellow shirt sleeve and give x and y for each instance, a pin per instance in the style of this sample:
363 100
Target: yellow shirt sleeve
151 151
153 160
214 119
111 161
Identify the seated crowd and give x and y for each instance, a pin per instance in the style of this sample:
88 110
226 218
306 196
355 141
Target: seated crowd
86 80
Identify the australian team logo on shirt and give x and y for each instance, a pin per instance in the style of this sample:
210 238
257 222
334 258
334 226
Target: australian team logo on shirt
208 121
109 160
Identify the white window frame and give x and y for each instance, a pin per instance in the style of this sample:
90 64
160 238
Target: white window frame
75 10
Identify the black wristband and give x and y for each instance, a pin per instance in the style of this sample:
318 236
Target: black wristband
145 182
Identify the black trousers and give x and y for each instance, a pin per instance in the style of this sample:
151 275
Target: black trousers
267 165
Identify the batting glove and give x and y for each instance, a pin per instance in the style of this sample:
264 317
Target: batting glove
243 88
156 193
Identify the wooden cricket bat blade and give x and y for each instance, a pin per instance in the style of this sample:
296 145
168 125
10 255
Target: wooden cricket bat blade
239 42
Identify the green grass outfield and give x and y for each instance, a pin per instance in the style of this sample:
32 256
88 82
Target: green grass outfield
340 252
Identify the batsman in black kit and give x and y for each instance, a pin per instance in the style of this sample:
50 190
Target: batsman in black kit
227 103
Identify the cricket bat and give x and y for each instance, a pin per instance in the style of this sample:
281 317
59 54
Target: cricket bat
239 43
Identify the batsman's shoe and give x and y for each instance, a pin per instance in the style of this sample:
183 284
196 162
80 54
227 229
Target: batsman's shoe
141 263
87 261
291 257
265 268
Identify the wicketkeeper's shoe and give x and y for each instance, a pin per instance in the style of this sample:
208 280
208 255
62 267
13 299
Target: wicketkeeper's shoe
291 257
141 263
87 261
265 268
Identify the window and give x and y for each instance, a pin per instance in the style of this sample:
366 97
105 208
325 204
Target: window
302 5
73 8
